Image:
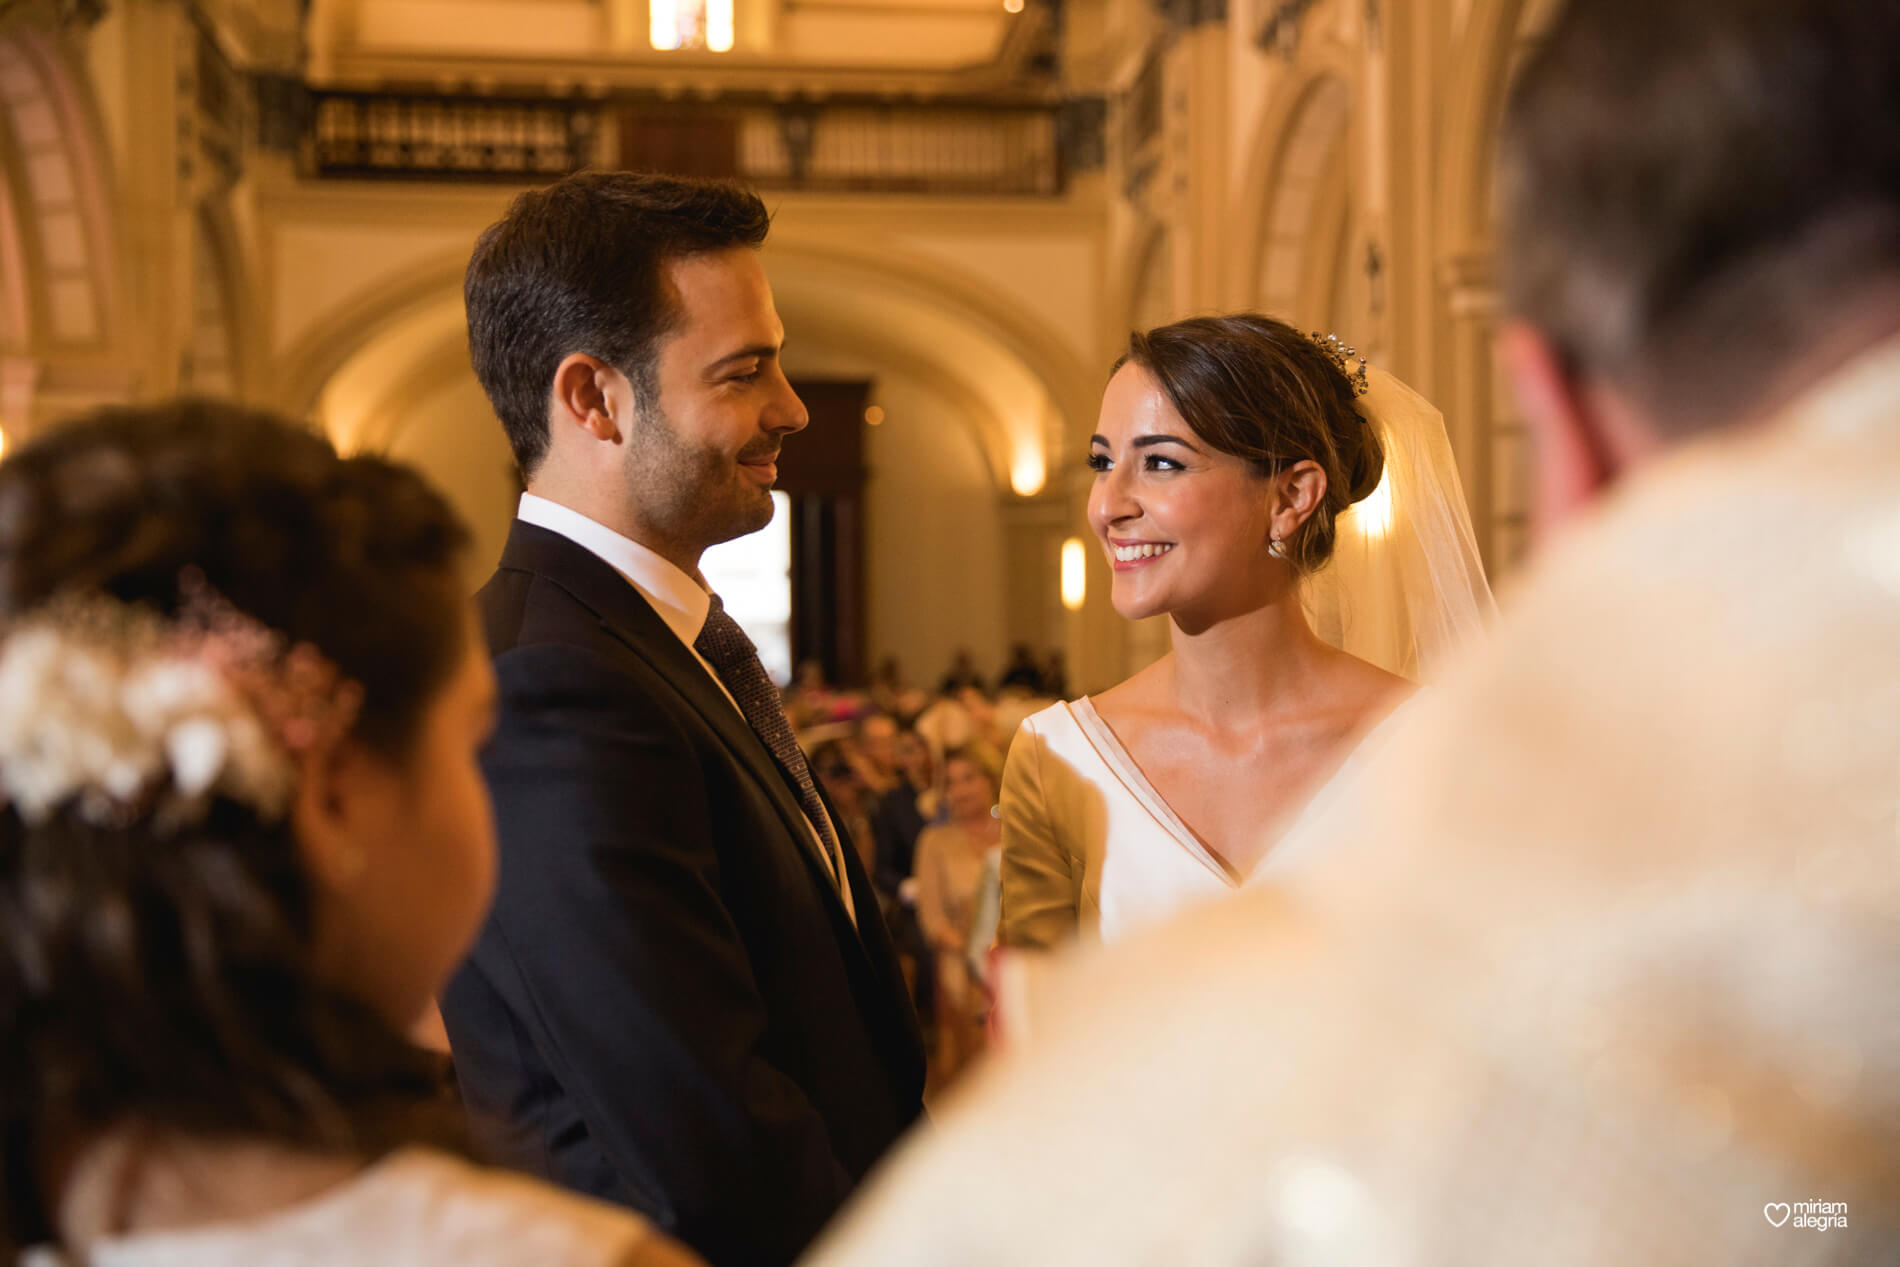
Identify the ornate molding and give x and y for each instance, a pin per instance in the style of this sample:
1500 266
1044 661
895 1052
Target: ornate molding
1185 14
1280 26
50 13
1082 133
1470 284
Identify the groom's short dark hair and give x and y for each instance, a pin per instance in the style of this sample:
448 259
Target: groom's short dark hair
579 267
1687 186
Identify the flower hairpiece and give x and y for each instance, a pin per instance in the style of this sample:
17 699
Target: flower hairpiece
1341 355
123 712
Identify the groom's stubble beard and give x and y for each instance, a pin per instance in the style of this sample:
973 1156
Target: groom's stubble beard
689 493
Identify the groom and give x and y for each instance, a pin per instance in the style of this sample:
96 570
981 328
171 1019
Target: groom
684 1000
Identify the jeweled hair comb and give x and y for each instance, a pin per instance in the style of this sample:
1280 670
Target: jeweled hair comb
1342 356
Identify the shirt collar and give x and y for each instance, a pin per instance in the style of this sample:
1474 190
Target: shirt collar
681 601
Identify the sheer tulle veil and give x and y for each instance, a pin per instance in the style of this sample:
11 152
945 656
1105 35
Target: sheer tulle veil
1405 588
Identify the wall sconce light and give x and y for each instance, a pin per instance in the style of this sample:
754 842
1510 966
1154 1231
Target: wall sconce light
1027 473
1075 580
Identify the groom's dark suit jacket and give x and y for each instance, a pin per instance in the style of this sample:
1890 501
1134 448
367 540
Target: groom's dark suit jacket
669 1006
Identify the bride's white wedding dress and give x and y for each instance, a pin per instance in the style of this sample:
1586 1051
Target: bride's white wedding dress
1094 850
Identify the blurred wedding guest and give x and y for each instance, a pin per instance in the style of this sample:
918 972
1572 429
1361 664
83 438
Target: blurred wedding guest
850 798
877 750
919 768
961 674
947 723
914 801
951 860
684 999
1055 675
812 701
1022 672
894 815
244 838
1228 458
890 693
889 676
1601 967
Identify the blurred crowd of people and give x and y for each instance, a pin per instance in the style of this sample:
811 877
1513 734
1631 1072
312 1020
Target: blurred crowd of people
916 774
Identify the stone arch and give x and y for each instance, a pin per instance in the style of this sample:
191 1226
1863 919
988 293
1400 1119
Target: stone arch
1486 431
59 248
908 290
880 276
315 359
1299 193
1151 283
215 362
1468 151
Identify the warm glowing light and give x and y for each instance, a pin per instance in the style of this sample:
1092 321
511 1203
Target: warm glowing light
663 23
3 443
1012 6
1075 579
1374 514
873 416
719 25
675 24
1027 473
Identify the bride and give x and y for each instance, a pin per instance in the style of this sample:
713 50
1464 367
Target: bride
1298 519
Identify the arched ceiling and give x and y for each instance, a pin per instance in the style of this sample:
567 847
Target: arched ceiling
873 316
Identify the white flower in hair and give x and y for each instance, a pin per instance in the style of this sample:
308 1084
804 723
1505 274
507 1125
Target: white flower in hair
109 706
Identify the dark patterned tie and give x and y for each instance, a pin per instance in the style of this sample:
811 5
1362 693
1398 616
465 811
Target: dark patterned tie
736 660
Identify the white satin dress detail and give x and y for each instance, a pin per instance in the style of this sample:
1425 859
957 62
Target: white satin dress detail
1091 848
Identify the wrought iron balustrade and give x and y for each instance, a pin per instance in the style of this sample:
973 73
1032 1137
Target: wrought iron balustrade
834 146
909 149
458 138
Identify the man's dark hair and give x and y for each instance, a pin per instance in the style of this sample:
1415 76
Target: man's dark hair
1688 187
580 267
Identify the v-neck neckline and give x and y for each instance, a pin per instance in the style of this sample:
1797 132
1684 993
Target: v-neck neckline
1122 764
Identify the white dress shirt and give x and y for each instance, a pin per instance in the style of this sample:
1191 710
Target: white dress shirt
682 602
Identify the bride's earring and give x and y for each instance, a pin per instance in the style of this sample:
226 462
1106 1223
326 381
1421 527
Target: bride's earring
1276 550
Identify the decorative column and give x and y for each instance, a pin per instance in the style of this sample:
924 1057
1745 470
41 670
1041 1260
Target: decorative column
1471 302
1196 117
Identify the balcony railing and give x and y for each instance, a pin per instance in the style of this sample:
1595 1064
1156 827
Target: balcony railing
414 137
840 146
929 150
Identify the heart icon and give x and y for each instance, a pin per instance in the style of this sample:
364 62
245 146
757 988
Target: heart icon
1770 1211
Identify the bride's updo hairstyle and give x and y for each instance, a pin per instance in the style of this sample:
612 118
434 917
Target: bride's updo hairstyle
1258 389
162 974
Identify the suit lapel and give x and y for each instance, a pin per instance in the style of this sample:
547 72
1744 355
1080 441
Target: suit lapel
625 613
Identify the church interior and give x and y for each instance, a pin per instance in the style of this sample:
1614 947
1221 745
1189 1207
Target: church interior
974 202
905 875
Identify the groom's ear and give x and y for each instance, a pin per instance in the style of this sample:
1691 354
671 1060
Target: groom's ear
590 400
1571 465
